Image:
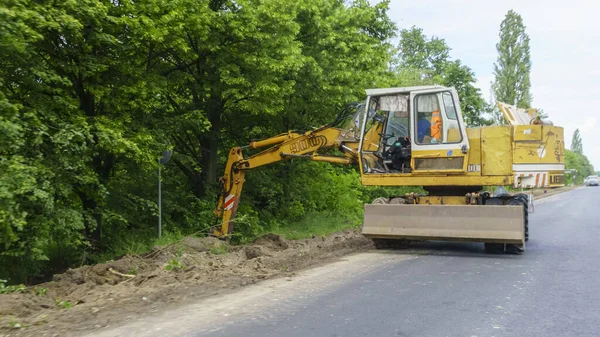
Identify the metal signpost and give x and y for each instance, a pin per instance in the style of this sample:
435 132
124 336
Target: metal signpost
166 156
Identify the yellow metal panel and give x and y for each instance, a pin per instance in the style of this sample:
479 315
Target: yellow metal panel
502 224
550 150
454 156
373 138
527 133
410 179
474 136
454 136
439 164
557 179
496 151
270 141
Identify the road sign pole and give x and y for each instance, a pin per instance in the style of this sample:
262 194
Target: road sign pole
166 156
159 202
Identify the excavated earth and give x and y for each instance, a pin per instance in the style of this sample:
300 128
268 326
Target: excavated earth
95 297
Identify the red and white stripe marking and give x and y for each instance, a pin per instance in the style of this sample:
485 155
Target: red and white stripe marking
229 200
531 179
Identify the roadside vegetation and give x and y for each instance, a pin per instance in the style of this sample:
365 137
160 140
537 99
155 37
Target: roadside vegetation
576 160
92 93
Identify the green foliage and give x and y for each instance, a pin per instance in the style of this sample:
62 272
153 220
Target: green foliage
580 163
576 143
473 105
219 249
15 324
138 243
418 52
40 291
316 224
512 69
175 264
4 289
66 304
424 61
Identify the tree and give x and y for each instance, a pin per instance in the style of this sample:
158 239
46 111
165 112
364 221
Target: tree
512 69
418 52
576 143
422 60
344 49
576 160
77 100
579 163
245 69
462 78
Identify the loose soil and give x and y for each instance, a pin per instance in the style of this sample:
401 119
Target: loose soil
94 297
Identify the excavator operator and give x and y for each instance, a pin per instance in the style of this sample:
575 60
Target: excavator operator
436 127
423 127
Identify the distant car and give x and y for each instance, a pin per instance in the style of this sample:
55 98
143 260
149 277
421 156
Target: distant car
592 181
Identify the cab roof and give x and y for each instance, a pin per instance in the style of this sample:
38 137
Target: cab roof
402 90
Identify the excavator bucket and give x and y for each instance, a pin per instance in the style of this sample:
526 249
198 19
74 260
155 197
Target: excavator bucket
475 223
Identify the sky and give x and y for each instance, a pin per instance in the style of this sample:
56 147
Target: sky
565 52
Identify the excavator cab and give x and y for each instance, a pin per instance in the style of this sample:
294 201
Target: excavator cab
415 131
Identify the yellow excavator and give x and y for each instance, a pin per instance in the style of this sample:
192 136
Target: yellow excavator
416 136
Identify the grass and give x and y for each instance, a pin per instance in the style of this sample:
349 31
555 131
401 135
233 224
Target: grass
63 304
16 325
316 224
137 244
4 289
40 291
219 249
175 264
312 224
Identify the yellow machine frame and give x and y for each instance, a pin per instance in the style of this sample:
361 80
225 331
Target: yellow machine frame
520 155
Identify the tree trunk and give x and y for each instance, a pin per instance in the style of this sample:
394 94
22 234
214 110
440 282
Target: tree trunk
102 164
210 140
92 220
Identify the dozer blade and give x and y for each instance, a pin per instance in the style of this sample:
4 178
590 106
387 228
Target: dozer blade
494 224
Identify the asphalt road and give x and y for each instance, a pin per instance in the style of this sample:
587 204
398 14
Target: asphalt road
434 289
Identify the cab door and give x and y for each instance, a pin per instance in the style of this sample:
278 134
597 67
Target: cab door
439 139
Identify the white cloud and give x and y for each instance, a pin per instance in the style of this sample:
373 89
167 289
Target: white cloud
565 51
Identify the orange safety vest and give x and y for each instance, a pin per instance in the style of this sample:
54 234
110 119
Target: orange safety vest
436 126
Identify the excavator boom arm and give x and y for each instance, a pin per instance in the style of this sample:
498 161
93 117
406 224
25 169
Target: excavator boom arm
285 146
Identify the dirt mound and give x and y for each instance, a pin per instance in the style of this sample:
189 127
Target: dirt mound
272 242
202 244
93 297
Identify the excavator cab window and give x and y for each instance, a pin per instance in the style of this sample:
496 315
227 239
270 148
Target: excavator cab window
386 142
436 119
